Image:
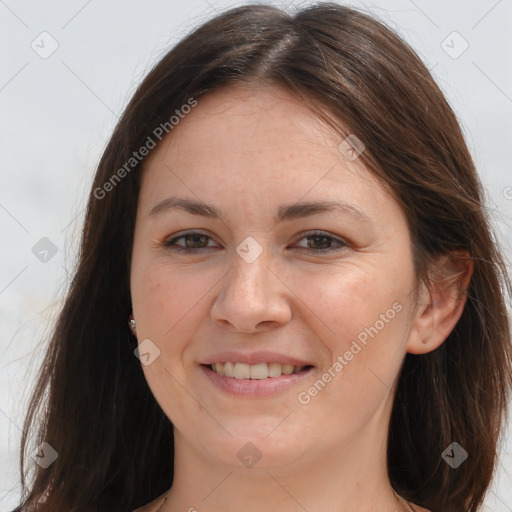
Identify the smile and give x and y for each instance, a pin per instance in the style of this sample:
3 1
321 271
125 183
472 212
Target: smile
256 380
255 371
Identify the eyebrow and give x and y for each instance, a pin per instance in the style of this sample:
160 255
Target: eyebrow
285 212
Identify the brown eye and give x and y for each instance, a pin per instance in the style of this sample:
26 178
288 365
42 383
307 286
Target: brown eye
192 242
319 242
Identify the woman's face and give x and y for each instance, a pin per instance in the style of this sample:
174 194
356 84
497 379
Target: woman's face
269 279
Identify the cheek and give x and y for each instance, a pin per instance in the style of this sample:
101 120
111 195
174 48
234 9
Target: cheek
366 323
351 301
169 303
363 319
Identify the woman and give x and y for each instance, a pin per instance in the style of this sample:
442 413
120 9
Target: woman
288 295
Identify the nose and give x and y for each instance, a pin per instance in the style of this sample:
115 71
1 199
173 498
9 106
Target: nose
252 297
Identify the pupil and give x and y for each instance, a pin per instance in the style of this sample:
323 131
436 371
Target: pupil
196 238
317 238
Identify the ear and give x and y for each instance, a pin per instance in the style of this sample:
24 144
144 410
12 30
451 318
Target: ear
440 303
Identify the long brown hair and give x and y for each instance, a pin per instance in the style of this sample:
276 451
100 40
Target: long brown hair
91 402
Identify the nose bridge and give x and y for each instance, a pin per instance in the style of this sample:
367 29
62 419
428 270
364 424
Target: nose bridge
250 293
249 278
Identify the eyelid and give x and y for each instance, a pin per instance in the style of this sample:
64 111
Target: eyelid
342 243
167 241
315 232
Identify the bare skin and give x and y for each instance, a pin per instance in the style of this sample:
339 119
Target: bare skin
248 151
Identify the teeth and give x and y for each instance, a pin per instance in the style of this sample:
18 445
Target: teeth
242 371
228 369
287 369
257 371
254 371
275 370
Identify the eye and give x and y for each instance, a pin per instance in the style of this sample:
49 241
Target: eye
193 241
319 241
316 241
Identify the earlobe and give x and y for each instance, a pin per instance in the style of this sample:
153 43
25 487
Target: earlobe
132 324
441 303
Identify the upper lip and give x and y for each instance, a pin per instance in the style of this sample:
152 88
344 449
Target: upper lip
254 358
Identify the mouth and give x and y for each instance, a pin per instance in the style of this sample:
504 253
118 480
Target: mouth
255 371
261 380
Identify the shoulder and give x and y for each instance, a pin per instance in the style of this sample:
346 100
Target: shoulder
153 506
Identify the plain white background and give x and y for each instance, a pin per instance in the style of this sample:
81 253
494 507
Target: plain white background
57 112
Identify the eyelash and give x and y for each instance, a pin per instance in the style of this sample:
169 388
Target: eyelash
171 245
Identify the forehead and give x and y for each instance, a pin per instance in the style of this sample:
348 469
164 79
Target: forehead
243 120
256 142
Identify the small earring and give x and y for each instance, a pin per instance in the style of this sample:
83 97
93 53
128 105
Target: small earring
426 341
132 323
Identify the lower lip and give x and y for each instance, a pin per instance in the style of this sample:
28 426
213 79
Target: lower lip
255 387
